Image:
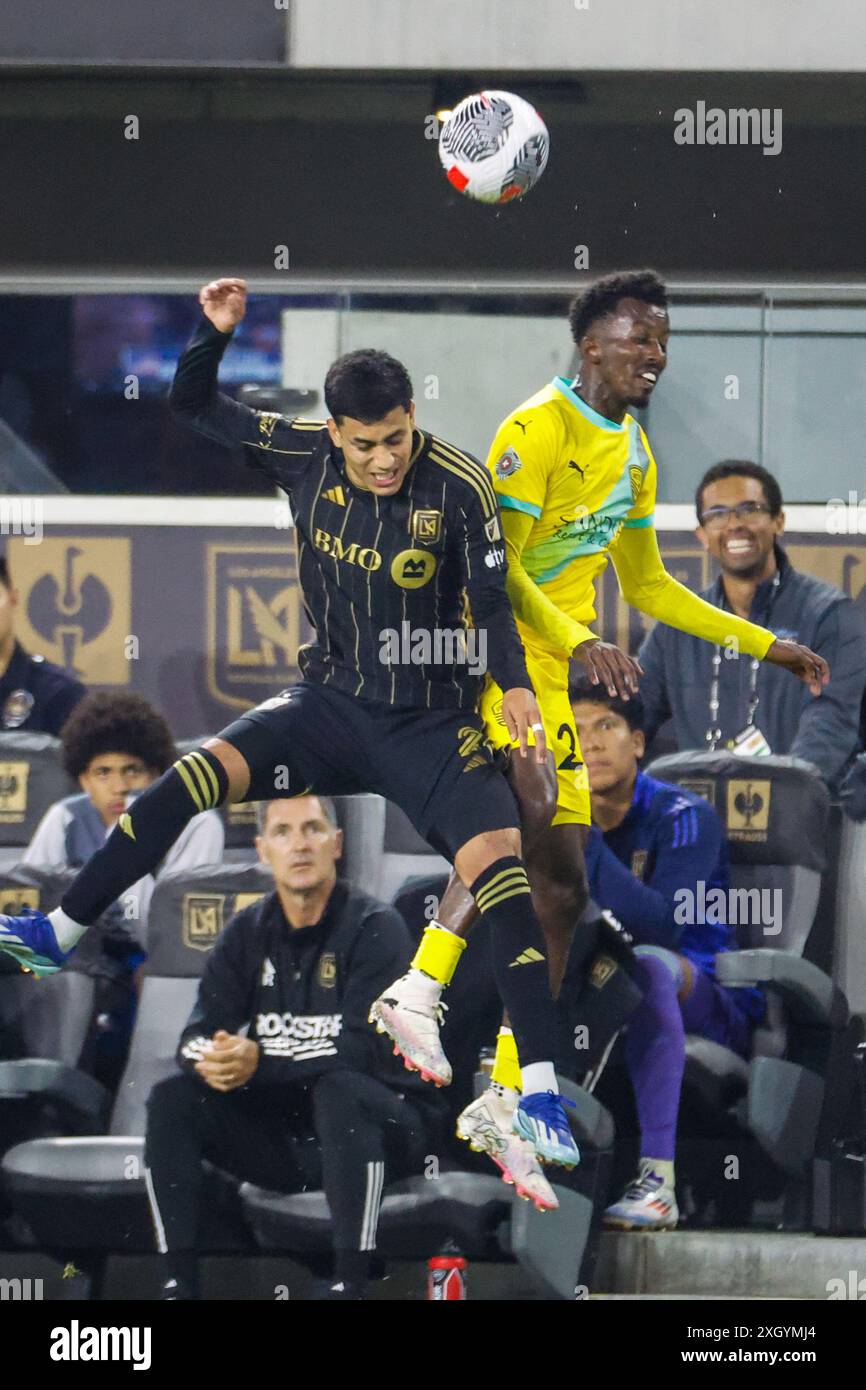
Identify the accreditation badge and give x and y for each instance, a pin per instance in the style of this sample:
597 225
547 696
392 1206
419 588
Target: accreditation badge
750 743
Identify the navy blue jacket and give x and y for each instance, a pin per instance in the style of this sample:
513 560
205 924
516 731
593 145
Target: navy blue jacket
36 695
668 845
822 729
303 994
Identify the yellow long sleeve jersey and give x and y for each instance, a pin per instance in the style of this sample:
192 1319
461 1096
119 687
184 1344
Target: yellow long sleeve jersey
575 489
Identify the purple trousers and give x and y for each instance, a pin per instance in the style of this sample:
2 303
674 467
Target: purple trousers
656 1041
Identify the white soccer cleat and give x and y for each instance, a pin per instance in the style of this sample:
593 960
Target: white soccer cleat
411 1012
487 1127
646 1205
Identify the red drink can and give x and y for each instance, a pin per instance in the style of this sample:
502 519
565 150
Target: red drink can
446 1275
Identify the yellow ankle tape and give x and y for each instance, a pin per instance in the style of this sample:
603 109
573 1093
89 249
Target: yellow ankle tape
439 953
506 1063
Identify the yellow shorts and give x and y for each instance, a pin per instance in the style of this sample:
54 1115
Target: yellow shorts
549 675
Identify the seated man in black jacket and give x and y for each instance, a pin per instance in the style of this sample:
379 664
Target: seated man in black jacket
285 1084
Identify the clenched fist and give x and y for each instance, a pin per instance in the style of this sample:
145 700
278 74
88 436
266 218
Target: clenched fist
224 302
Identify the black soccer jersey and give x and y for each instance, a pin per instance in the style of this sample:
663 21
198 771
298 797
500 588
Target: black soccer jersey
386 580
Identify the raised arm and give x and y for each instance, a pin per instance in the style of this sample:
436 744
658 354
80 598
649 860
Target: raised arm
269 441
646 584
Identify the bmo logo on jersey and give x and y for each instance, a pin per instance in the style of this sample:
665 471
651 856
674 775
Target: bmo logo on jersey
363 556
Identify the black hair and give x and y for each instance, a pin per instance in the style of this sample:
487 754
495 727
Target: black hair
601 298
632 711
117 722
366 385
741 468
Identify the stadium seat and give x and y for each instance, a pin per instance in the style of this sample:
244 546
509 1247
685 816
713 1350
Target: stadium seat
239 819
43 1026
849 961
405 856
362 818
87 1193
474 1210
32 778
105 1172
765 1112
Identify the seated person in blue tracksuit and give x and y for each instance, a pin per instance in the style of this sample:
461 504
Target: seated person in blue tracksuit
655 853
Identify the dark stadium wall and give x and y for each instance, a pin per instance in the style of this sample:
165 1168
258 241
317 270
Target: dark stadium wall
206 621
223 170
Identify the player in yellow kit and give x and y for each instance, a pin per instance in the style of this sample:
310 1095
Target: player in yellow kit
576 482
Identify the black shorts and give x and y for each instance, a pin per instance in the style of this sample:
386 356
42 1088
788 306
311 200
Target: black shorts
436 765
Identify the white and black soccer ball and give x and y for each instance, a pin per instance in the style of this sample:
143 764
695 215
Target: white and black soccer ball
494 146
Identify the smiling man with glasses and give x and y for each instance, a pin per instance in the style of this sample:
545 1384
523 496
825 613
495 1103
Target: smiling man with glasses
718 698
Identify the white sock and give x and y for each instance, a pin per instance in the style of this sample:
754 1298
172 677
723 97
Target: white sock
68 932
662 1167
538 1076
508 1097
431 988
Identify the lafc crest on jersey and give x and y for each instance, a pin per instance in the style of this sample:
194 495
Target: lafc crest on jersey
426 525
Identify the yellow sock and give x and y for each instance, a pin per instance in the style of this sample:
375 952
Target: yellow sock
439 953
506 1063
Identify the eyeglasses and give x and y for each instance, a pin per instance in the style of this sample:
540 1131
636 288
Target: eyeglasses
717 516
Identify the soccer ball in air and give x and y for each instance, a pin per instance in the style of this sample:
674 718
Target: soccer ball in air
494 146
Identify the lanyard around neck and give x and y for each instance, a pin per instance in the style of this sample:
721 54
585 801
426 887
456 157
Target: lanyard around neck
714 733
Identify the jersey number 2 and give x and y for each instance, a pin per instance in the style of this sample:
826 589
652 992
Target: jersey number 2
569 762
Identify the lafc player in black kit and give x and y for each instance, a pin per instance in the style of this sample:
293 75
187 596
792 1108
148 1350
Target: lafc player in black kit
394 527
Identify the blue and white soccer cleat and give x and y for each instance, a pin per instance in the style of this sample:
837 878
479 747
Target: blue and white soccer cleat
540 1117
31 943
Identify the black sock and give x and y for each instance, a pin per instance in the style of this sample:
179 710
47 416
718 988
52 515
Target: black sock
351 1266
144 835
502 895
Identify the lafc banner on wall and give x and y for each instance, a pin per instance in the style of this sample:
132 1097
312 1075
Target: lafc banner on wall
204 622
207 621
75 603
253 613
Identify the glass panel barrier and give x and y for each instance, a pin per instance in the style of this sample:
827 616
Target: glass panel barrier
773 375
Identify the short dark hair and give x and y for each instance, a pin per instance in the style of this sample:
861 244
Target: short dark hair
632 711
115 723
326 803
741 468
602 297
366 385
5 577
